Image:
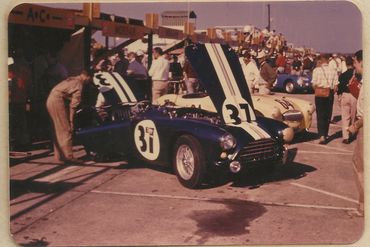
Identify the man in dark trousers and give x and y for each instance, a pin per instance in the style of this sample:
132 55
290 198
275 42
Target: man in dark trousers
347 101
62 116
327 78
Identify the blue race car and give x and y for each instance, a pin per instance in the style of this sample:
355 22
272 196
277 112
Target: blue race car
192 141
293 83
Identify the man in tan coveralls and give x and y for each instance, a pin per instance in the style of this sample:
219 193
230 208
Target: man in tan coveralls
62 115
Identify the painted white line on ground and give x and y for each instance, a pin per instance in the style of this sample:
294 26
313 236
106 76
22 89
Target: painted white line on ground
314 152
55 176
218 200
325 146
307 206
325 192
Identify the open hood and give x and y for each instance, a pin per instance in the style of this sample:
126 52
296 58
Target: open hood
219 71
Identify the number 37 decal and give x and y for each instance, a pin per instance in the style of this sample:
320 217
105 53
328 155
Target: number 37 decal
236 114
147 140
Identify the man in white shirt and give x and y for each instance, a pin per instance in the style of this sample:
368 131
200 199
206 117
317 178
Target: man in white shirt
335 63
324 77
250 70
159 71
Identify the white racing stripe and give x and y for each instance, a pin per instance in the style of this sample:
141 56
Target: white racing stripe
218 69
114 84
126 87
219 200
234 85
231 90
325 192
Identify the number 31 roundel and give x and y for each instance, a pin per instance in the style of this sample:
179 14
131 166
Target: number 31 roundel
147 139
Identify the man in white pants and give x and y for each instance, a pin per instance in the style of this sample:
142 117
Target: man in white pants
159 71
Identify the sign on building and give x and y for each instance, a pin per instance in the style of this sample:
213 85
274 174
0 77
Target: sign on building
34 15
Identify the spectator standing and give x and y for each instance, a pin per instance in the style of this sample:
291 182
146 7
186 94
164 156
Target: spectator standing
280 62
159 72
176 72
334 63
135 69
137 77
250 70
357 127
267 73
296 65
307 64
346 100
62 117
324 77
191 78
121 65
343 65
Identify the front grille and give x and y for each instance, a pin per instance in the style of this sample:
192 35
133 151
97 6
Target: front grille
292 116
121 113
265 149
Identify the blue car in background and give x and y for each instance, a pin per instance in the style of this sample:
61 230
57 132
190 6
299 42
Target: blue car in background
191 140
293 83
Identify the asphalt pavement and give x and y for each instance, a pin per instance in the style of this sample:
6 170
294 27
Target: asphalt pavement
307 201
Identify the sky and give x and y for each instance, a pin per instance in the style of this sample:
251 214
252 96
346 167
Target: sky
326 26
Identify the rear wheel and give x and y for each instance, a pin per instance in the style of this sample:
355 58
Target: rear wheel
189 161
289 87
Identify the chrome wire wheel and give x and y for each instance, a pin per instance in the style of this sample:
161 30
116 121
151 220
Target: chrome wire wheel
185 162
289 87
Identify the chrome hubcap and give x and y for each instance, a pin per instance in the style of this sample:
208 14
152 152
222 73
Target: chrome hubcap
289 87
185 162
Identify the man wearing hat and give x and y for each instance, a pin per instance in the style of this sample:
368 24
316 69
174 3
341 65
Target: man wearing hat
62 117
250 70
267 73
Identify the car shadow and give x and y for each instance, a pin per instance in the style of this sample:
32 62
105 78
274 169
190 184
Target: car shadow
304 136
257 176
251 178
334 136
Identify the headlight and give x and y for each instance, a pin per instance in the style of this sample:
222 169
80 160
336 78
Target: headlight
276 114
227 142
288 134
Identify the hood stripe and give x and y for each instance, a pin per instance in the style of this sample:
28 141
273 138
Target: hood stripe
120 86
125 86
230 88
113 84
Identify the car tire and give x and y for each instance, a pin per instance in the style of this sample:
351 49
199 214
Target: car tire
289 87
189 162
